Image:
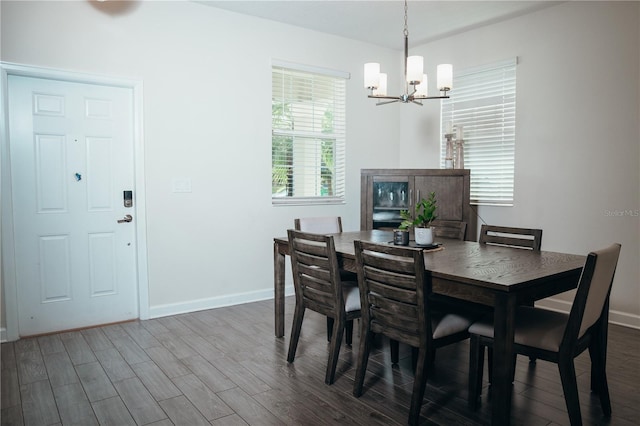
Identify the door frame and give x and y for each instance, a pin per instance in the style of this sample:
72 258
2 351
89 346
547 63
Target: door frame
9 297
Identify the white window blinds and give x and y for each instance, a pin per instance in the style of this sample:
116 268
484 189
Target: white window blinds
308 135
484 102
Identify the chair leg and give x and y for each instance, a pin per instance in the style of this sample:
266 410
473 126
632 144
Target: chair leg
334 350
595 385
329 328
603 392
298 316
366 338
476 365
599 378
431 356
349 333
570 390
394 345
419 384
532 304
414 358
489 362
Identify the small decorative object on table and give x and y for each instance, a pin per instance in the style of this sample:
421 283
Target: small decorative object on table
401 237
425 213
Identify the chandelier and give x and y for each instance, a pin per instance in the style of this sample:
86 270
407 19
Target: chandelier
376 81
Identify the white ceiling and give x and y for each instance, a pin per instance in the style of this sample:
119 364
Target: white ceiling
381 22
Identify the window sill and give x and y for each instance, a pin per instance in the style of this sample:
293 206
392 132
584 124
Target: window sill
305 201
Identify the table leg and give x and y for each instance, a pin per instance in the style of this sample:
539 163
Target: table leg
503 325
278 289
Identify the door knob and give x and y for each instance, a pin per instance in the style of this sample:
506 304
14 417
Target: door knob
127 218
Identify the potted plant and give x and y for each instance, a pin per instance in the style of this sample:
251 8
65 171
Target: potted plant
425 213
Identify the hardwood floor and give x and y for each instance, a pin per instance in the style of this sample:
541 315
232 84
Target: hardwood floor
225 367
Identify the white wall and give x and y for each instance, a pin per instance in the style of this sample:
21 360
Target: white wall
578 130
206 75
207 90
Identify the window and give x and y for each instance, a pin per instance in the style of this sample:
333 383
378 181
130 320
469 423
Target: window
484 102
308 135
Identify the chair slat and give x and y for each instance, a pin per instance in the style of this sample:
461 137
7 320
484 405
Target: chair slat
395 334
525 238
391 293
449 229
311 252
406 323
319 225
313 284
390 278
315 272
388 263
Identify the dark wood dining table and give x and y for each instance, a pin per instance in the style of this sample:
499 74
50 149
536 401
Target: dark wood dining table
500 277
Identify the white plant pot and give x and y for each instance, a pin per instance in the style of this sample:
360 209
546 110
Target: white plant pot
424 236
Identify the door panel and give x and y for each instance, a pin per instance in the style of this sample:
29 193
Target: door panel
71 152
448 190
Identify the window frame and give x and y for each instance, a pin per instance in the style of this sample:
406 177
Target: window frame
486 94
316 137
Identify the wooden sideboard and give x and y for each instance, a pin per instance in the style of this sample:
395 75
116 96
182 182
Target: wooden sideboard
385 192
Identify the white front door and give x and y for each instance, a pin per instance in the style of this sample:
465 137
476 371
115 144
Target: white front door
71 152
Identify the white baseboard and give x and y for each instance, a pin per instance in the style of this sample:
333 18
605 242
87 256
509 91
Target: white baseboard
214 302
615 317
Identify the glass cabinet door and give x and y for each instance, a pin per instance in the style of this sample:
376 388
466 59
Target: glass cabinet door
389 197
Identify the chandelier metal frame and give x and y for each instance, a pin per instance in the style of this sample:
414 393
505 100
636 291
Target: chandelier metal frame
409 96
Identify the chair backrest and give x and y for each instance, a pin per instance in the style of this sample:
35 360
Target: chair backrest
316 276
449 229
393 292
319 225
591 298
513 237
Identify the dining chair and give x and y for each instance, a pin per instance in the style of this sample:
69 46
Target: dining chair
559 337
449 229
318 287
522 238
513 237
327 225
394 294
319 225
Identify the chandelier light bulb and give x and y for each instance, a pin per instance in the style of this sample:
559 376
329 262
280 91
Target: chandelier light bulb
422 88
414 69
445 77
371 75
382 86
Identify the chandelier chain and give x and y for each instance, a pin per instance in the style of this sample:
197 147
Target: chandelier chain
406 27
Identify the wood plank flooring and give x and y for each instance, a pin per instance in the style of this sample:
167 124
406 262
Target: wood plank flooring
225 367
